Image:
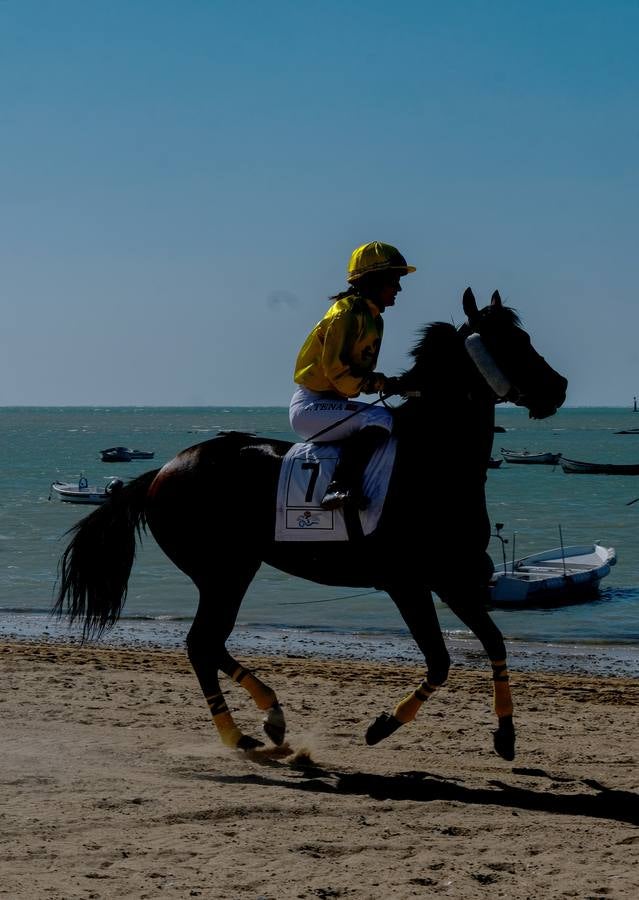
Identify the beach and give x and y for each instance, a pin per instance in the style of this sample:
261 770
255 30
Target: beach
115 783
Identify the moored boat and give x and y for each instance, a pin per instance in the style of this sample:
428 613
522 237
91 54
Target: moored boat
124 454
553 577
524 456
577 467
82 492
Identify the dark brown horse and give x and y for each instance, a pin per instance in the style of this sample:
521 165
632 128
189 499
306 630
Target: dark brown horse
432 535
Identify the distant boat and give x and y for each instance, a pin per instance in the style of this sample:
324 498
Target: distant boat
628 431
552 577
124 454
494 463
523 456
82 492
575 467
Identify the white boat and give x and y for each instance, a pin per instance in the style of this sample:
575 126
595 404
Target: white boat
552 577
524 456
82 492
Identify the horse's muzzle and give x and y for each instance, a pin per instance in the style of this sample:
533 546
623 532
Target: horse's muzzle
541 413
548 405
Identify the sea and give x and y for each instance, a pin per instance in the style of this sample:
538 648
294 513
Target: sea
539 507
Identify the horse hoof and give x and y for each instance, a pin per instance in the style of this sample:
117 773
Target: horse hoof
381 728
504 739
274 724
248 743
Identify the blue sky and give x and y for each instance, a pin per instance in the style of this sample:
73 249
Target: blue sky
181 184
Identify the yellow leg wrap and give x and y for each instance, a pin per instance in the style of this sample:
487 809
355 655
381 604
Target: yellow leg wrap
263 696
503 701
407 709
227 729
229 733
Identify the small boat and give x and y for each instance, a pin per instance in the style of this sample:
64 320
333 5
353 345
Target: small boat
628 431
524 456
494 463
575 467
124 454
82 492
553 577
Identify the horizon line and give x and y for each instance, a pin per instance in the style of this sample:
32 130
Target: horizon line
505 408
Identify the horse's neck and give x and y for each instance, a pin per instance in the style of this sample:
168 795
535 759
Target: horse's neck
447 429
455 414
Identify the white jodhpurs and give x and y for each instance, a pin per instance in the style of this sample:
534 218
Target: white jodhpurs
311 412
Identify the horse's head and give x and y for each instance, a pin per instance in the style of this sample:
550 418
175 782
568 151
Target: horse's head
504 355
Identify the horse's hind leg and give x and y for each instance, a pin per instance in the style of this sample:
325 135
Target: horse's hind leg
206 644
418 611
274 724
491 638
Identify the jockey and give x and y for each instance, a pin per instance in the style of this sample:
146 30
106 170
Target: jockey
337 362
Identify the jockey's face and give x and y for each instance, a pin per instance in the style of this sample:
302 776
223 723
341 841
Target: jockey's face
387 290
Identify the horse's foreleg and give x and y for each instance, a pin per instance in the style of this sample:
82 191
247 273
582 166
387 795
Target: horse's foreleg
504 736
491 638
418 611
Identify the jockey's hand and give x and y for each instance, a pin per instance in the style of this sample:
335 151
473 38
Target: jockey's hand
393 386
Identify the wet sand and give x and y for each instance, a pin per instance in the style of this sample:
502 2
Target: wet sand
115 785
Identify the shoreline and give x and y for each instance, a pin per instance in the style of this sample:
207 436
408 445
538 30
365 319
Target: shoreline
176 659
383 647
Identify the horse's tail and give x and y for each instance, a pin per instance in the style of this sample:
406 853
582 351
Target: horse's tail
94 570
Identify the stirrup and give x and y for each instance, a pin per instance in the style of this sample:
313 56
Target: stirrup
337 496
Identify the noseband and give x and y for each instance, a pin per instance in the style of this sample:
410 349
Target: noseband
488 368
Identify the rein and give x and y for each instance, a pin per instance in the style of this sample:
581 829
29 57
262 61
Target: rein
345 419
381 399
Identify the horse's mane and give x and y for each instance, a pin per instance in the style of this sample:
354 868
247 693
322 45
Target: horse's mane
438 353
440 336
441 369
436 337
440 345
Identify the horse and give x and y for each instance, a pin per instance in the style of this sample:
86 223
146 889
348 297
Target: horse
195 505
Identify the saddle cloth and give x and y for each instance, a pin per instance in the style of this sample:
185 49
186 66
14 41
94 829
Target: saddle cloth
306 472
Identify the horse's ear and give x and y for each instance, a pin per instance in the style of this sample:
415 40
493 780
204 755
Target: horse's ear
495 300
469 304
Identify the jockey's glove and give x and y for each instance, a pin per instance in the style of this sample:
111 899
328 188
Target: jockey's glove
373 383
393 386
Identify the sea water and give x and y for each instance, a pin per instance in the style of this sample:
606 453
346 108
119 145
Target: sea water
285 614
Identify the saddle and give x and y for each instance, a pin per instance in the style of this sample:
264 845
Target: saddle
307 469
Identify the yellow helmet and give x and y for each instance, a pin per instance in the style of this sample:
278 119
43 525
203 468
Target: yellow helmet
376 257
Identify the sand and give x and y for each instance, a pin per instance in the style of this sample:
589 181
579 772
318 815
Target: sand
115 785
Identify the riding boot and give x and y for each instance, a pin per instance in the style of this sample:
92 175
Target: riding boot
346 486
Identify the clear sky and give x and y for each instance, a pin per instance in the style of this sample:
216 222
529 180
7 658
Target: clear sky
182 183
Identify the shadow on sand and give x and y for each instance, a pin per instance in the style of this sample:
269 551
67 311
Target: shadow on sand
605 803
